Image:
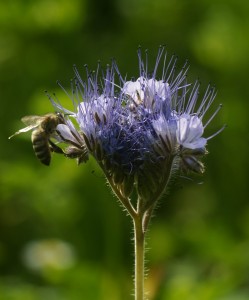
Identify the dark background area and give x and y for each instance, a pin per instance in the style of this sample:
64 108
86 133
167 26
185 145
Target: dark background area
62 233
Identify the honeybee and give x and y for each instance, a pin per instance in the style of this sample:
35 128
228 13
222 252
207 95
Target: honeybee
43 127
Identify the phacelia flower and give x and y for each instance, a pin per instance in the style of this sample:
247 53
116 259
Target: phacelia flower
139 131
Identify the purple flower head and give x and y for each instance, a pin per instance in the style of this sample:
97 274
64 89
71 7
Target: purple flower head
139 131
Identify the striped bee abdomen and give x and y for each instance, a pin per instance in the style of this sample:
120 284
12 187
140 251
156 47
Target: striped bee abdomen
41 146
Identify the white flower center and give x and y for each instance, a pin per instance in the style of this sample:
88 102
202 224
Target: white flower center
189 132
144 90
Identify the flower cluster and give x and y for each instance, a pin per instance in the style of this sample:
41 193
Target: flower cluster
140 131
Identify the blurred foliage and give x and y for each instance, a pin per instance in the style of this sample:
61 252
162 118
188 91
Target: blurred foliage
199 238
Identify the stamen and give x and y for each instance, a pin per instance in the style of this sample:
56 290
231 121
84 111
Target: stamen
213 115
159 55
216 133
193 97
171 65
212 95
164 66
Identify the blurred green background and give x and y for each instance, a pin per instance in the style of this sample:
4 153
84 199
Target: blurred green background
62 233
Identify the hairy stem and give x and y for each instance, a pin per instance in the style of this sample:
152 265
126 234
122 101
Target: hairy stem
139 257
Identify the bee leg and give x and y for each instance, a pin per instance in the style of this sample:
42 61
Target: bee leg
55 148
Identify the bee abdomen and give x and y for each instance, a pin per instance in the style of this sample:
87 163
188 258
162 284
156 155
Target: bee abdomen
41 146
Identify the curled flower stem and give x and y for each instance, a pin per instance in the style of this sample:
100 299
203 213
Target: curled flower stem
147 211
125 201
147 217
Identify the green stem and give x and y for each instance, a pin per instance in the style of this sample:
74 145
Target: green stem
139 257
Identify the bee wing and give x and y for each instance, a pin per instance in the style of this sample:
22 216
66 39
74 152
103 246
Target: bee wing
33 120
30 127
